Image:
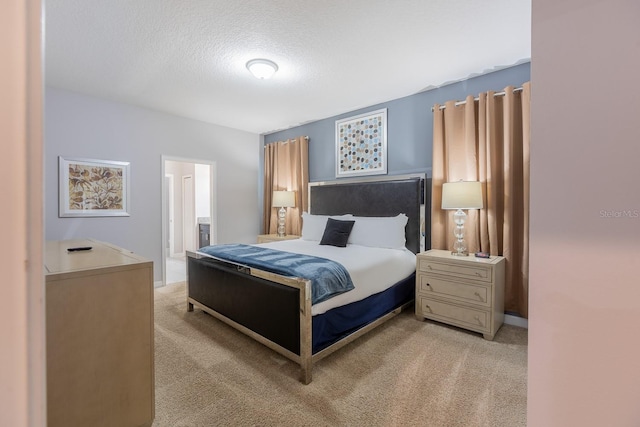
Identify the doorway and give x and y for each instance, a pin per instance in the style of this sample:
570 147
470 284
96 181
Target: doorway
188 205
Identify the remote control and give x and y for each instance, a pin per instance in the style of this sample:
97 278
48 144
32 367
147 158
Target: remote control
79 248
482 255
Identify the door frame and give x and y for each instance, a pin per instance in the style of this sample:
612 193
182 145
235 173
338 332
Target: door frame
213 190
186 232
169 192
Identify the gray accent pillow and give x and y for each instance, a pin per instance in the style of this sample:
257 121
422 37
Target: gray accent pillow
336 232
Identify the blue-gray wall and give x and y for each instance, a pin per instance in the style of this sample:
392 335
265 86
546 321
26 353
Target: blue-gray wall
409 125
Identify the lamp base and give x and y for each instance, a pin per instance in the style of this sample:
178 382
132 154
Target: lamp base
459 247
459 253
281 222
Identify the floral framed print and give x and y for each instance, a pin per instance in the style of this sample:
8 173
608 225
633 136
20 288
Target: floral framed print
361 144
90 187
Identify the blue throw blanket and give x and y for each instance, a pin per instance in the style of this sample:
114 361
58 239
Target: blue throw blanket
328 278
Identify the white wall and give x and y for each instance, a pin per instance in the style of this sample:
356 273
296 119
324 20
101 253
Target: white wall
584 350
87 127
22 339
13 252
203 191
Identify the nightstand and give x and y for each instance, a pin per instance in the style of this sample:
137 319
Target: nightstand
266 238
467 292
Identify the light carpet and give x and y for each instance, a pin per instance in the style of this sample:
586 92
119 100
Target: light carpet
404 373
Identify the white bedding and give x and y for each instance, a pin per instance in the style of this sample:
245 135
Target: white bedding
372 270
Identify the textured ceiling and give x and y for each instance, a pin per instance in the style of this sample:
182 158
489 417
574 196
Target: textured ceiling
187 57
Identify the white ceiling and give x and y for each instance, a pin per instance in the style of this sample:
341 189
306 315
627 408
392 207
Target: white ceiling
187 57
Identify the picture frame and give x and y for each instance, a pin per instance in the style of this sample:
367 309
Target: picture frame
361 144
93 188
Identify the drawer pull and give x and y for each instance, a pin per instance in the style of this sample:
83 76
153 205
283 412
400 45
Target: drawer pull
478 320
478 274
479 297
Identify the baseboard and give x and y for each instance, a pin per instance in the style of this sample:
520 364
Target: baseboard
158 284
516 321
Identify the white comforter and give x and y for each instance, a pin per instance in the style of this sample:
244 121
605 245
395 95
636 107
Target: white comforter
372 270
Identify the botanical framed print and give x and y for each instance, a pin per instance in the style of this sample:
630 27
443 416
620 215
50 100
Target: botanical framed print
361 144
90 187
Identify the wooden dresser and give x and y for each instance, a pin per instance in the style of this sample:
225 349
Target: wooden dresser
100 350
467 292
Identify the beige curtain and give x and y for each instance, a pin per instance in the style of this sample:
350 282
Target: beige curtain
286 167
487 140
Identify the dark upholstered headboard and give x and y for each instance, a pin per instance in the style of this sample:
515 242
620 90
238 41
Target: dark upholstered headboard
388 196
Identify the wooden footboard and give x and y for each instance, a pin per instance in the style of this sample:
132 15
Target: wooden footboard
272 309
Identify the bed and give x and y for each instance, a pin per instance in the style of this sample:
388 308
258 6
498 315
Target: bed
276 309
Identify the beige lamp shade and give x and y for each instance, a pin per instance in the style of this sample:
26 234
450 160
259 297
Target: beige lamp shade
283 199
462 195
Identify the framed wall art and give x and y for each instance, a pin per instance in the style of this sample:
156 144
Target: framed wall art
90 188
361 144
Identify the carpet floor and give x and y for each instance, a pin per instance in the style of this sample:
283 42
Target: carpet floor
404 373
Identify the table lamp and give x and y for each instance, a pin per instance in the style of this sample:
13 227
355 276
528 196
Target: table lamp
461 195
283 200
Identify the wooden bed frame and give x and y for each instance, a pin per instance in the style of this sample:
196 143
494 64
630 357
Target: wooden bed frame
276 310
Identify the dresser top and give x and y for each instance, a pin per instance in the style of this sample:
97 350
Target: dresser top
446 255
101 255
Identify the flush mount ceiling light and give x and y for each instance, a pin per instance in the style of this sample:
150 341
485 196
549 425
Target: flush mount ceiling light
262 68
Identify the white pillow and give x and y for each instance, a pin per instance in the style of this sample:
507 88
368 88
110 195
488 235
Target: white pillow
313 225
379 232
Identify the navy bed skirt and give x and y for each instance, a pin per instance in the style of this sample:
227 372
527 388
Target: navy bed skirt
339 322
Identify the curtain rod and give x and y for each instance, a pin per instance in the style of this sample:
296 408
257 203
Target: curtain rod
517 89
286 142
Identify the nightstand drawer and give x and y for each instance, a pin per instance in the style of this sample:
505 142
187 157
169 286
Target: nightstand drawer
464 292
468 271
459 316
